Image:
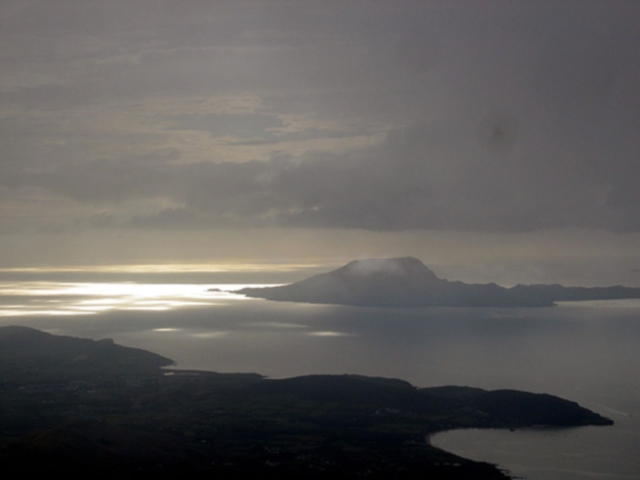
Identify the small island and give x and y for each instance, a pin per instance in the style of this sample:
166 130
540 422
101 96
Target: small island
78 406
407 282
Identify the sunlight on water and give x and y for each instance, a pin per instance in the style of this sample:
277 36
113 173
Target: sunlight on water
69 298
620 303
582 351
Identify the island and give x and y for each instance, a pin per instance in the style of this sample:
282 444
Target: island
407 282
82 407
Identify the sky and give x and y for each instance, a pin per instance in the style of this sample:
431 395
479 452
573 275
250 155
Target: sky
480 136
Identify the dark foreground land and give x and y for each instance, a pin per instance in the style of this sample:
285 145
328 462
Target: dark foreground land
76 407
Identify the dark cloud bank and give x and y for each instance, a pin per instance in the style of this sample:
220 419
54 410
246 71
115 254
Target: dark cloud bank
462 116
420 177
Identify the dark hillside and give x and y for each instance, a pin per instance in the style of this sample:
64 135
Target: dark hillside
120 414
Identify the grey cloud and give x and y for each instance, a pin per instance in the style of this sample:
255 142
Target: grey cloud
272 48
273 138
254 128
404 61
100 181
228 124
179 218
510 118
421 177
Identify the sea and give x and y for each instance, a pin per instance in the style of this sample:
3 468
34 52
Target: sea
582 351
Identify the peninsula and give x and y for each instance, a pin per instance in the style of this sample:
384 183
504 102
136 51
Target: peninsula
407 282
84 407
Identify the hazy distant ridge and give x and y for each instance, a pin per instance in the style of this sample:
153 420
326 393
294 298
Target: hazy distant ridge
407 282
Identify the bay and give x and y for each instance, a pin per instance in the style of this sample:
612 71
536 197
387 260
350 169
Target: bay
583 351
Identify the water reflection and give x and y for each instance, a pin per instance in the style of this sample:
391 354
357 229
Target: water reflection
583 351
84 298
586 453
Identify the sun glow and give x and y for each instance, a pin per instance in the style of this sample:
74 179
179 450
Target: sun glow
84 298
230 266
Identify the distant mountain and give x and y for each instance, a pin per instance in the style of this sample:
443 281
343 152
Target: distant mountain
407 282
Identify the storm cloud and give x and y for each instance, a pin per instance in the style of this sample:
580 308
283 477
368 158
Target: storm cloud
478 116
419 177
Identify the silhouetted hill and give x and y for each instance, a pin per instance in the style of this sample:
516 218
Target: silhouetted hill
407 282
109 421
25 351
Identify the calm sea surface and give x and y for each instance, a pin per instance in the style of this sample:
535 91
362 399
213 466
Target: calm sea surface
587 352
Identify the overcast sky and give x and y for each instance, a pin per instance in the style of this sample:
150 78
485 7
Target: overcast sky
269 124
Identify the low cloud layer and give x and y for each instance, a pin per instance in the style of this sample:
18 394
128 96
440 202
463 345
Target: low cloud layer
419 177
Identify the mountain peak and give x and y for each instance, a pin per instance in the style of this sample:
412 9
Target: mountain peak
397 282
407 282
400 267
